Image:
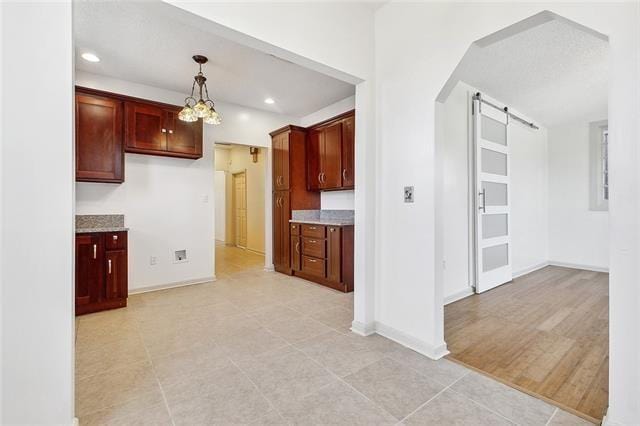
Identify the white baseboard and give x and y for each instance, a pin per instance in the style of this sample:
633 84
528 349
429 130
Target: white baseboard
607 422
529 269
459 295
363 329
75 422
172 285
269 268
579 266
420 346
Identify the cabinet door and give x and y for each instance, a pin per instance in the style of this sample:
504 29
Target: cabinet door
295 253
182 137
314 177
145 127
281 232
281 162
331 157
334 255
89 268
348 152
116 277
99 139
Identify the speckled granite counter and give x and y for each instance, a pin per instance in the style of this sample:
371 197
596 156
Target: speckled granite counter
323 217
100 223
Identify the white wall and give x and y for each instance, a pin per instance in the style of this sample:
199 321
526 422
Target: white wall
219 203
333 200
528 191
577 235
168 203
37 305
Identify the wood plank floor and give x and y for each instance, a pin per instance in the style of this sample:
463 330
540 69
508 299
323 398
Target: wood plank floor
546 333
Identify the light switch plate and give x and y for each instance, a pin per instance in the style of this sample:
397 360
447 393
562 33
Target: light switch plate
408 194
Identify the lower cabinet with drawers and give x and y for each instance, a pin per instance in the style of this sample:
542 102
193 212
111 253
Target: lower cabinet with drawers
101 271
323 254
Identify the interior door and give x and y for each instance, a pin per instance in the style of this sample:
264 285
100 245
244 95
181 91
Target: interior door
492 209
240 208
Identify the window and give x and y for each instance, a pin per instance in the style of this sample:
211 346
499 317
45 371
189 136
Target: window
599 170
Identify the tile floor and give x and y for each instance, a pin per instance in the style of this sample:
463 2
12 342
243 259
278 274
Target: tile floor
264 348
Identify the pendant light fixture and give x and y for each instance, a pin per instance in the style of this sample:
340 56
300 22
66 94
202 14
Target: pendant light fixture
204 107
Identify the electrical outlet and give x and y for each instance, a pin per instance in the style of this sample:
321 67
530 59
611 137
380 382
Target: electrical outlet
153 260
408 194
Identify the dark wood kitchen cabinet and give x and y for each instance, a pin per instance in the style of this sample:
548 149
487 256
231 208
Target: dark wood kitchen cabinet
156 130
99 139
101 271
324 254
331 152
290 190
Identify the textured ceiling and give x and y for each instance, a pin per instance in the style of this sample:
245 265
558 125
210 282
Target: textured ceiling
554 72
142 42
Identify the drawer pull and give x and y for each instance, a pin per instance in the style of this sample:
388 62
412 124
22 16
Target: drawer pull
312 227
313 241
332 229
312 260
95 250
115 238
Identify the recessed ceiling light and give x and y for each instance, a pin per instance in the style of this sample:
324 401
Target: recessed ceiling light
269 101
90 57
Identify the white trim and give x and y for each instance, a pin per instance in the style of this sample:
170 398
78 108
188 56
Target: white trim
420 346
607 422
579 266
459 295
529 269
75 422
172 285
269 268
363 329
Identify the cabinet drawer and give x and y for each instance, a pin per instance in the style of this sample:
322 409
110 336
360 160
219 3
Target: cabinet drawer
316 231
115 240
313 266
314 247
295 228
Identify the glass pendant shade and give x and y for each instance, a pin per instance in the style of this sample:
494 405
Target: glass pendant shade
213 117
201 109
187 114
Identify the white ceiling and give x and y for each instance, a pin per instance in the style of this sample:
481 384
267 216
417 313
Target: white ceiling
142 42
555 72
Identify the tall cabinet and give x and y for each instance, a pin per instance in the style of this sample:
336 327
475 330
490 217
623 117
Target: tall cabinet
289 189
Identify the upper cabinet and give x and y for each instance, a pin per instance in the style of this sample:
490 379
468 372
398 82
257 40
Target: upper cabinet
108 124
330 154
99 135
156 130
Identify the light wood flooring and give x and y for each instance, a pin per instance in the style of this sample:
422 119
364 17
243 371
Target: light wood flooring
230 260
546 333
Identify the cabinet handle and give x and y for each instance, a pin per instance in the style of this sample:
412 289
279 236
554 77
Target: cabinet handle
332 229
109 263
170 131
312 241
298 247
115 238
164 130
312 227
95 251
312 260
320 177
344 174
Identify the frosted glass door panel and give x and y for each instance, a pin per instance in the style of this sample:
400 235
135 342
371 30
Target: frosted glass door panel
494 162
494 225
495 194
495 257
493 130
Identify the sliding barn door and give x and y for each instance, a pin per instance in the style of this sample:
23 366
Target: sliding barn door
492 209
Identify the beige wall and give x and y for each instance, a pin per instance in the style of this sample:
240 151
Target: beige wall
238 159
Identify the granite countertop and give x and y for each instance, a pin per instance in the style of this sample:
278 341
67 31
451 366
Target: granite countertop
323 217
100 223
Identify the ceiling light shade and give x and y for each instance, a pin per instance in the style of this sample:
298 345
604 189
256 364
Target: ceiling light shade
90 57
203 107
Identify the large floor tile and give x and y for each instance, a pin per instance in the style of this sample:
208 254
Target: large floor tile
442 370
284 374
110 355
343 354
134 387
335 404
508 402
184 365
275 313
337 318
298 330
451 408
393 386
